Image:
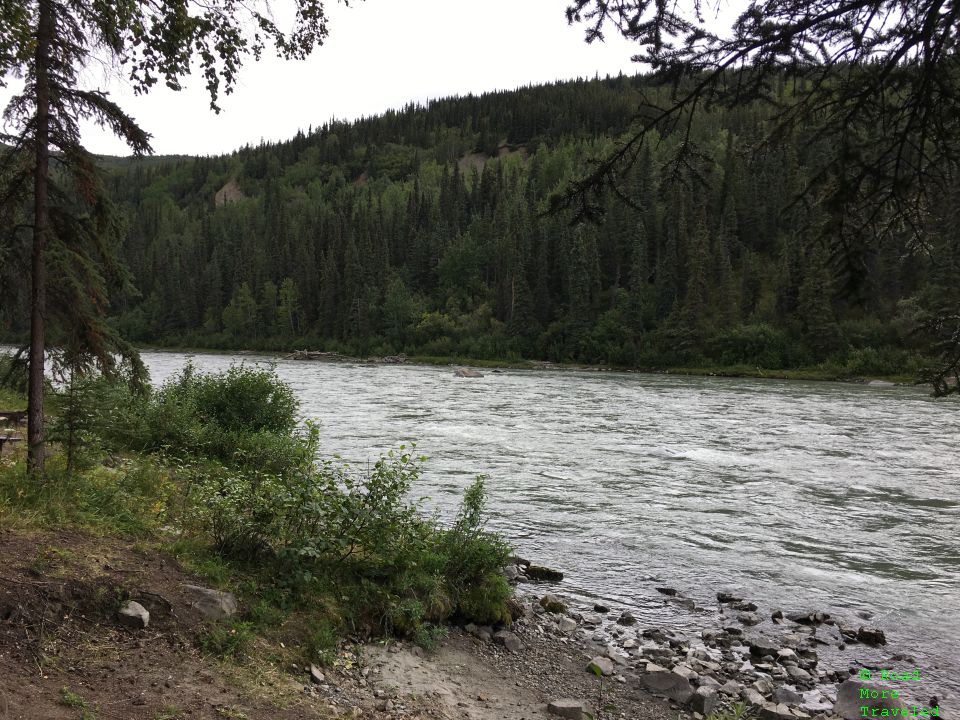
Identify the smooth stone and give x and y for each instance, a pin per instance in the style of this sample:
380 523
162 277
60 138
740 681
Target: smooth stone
601 665
508 639
212 604
134 615
569 708
467 373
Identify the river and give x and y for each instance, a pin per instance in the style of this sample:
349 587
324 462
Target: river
797 495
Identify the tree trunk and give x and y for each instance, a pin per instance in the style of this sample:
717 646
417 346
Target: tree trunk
38 297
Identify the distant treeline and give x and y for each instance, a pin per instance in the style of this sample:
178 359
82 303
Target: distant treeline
424 231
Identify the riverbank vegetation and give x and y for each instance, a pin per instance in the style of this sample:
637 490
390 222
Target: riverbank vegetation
423 231
218 471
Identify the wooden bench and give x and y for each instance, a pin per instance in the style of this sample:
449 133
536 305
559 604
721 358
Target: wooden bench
16 417
8 439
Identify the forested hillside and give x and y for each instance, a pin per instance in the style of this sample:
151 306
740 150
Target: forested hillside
424 231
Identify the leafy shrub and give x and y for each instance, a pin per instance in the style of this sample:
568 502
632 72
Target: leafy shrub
758 345
245 418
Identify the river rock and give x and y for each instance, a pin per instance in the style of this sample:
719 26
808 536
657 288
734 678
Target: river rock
316 676
481 632
732 688
629 644
761 647
566 625
569 709
553 604
763 686
508 639
545 574
786 695
600 608
212 604
591 619
749 619
134 615
669 591
814 702
664 682
659 655
808 617
467 373
704 700
725 597
752 697
772 711
601 665
871 636
626 618
510 572
849 700
655 634
743 606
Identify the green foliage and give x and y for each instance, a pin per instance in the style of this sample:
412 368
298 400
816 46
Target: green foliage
72 700
253 508
132 498
225 641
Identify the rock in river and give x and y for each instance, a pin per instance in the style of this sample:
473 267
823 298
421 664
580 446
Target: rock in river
871 636
538 572
467 373
551 603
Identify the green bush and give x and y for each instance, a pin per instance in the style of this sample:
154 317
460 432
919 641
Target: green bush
245 418
758 345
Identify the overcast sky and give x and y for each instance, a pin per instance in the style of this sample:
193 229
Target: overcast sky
380 54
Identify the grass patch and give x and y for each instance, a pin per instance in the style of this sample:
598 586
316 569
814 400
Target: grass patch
73 700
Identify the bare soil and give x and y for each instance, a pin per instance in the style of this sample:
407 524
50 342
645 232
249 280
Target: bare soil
64 655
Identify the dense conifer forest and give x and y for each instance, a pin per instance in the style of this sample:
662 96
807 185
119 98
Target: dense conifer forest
426 231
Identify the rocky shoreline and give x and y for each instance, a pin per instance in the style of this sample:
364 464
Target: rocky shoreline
776 676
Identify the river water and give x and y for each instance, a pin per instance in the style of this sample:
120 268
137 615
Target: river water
822 496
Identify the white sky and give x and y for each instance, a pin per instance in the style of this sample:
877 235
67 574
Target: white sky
380 54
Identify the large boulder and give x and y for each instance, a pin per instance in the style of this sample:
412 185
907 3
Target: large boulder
871 636
704 700
467 373
553 604
134 615
601 665
665 682
852 695
545 574
569 708
212 604
508 639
